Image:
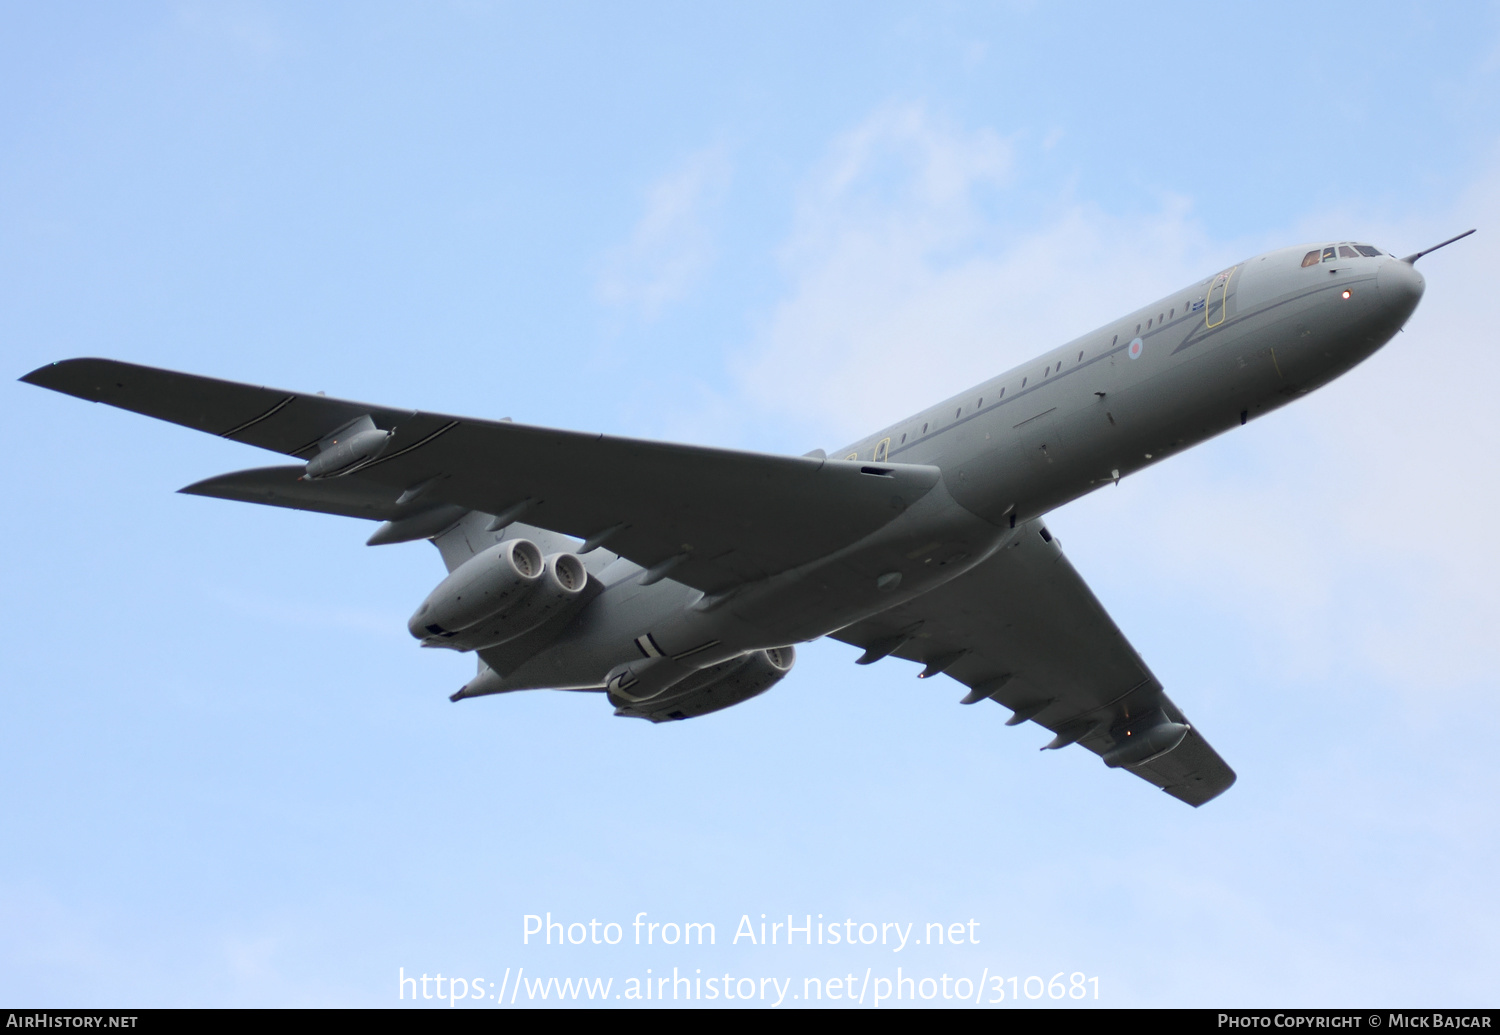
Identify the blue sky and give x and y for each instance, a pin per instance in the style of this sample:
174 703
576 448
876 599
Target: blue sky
232 778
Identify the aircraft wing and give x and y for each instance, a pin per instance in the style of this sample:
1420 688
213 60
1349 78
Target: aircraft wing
716 517
1024 629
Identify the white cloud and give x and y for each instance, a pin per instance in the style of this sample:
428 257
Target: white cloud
906 285
672 244
1413 434
1350 533
1356 526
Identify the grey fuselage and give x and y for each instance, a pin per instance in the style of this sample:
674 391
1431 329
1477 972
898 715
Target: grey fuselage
1174 373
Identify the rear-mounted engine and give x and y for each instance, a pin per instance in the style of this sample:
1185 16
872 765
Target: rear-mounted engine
497 595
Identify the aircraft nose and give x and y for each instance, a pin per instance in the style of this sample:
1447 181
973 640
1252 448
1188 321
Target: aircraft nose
1401 287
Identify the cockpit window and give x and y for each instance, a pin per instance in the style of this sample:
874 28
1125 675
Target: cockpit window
1345 252
1329 254
1367 251
1310 259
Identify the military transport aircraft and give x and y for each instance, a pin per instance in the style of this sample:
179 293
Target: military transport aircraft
674 579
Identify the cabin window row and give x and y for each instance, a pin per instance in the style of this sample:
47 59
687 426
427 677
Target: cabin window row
1047 371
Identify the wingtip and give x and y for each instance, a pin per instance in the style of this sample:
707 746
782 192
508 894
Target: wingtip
35 377
1185 793
54 375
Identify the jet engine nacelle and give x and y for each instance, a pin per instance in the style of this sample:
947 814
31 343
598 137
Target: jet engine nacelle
635 689
484 585
562 580
497 595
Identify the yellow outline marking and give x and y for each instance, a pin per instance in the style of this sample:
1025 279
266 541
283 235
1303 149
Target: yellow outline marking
882 450
852 456
1277 365
1208 311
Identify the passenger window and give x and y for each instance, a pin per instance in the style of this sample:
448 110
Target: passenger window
903 436
1047 372
1367 251
1172 314
1148 325
1345 252
1329 254
1001 395
1080 357
924 429
1115 342
1138 328
1023 382
981 403
1310 259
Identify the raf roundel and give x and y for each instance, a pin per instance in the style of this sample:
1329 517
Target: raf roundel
1136 348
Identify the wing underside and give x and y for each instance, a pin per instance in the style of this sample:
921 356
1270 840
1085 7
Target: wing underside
1024 630
718 517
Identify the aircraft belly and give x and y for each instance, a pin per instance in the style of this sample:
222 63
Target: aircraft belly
602 636
1068 441
1004 479
935 541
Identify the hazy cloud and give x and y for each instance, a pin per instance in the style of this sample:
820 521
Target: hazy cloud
906 285
1350 530
1355 526
672 243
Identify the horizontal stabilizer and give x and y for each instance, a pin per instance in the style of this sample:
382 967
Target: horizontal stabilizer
406 517
284 487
